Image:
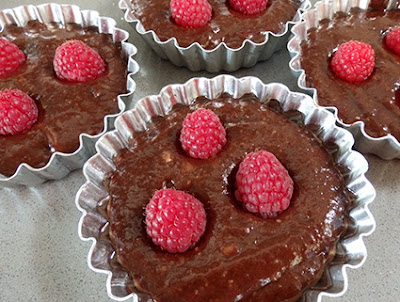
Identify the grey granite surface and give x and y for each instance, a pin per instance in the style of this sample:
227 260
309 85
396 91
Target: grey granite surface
43 259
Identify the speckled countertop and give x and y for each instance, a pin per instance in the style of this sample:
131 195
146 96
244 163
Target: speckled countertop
43 258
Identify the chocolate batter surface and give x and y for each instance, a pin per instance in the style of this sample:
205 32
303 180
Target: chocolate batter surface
241 257
373 101
65 109
226 25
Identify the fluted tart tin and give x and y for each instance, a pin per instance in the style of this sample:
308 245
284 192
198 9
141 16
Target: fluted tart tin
220 58
385 146
60 164
92 198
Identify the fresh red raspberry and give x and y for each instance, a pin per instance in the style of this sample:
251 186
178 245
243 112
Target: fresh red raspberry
74 61
18 112
249 7
175 220
11 57
353 61
392 40
191 13
263 184
202 134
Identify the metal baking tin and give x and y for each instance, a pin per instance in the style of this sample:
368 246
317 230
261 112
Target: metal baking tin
60 164
196 58
351 251
386 147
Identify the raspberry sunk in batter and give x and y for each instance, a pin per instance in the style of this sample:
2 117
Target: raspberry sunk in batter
18 112
11 57
202 134
263 184
191 13
392 40
75 61
249 7
175 220
353 61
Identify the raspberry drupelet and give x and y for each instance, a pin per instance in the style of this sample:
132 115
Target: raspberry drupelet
75 61
18 112
263 184
353 61
202 134
175 220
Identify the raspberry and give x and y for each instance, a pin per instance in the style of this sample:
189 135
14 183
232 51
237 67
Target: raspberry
76 62
18 112
202 134
191 13
11 57
353 61
263 184
249 7
175 220
392 40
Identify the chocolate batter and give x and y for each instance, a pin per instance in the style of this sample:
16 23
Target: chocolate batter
241 256
65 109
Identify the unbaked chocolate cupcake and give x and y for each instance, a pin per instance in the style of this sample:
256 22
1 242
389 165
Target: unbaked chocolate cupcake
229 39
70 113
369 108
297 251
